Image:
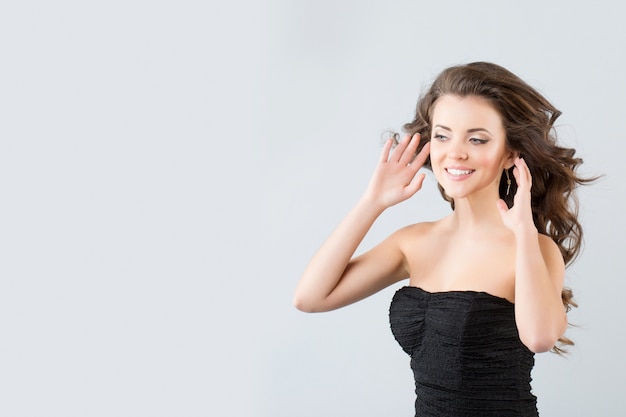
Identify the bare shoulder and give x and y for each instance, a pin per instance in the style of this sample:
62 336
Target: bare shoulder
417 244
415 231
417 238
548 246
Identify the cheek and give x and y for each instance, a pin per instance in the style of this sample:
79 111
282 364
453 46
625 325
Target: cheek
435 154
494 159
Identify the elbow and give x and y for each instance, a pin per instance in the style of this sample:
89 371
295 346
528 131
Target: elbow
538 345
300 305
542 338
308 304
540 342
303 305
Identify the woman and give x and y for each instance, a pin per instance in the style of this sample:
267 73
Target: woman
485 287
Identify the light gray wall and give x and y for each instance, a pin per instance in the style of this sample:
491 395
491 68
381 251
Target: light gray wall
167 169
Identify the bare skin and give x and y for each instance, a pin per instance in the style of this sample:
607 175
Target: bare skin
481 246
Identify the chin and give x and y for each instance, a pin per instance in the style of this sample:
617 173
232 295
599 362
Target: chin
454 194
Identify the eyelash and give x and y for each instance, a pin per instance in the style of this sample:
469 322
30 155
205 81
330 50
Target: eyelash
475 141
478 141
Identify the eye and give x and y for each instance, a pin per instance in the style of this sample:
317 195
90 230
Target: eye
477 141
440 138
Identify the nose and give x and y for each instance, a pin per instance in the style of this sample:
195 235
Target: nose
457 151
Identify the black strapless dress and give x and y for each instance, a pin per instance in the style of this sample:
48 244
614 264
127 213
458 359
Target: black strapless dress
466 354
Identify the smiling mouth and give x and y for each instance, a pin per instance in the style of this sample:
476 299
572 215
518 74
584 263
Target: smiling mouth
459 172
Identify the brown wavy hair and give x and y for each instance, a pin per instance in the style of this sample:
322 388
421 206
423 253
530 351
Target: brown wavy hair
528 120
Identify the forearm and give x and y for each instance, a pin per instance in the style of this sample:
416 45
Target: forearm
539 311
327 266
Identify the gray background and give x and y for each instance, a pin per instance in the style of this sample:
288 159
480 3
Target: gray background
167 168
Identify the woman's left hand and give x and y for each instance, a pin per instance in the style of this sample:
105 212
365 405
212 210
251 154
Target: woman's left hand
520 216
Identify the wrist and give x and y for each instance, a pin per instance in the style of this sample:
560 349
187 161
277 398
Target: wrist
526 232
371 203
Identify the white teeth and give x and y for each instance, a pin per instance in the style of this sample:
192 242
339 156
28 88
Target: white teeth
459 171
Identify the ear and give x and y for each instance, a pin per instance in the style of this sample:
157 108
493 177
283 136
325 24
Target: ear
510 159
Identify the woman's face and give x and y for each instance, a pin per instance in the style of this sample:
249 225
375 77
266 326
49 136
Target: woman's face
468 146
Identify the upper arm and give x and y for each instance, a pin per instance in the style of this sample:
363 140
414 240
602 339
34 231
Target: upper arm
554 262
369 273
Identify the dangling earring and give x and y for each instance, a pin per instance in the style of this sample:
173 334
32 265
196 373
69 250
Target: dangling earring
508 181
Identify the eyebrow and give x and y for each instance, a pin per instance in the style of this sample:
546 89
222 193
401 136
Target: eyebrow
476 129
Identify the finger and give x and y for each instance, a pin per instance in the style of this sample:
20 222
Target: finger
396 155
415 185
522 174
528 176
522 187
421 157
384 155
502 207
409 152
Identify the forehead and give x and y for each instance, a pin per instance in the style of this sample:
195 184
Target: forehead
466 113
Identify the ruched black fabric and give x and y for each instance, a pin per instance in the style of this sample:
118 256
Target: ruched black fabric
466 354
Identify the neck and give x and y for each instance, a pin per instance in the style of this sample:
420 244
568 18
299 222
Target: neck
476 214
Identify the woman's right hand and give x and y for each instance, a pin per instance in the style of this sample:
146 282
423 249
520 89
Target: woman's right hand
395 178
334 277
